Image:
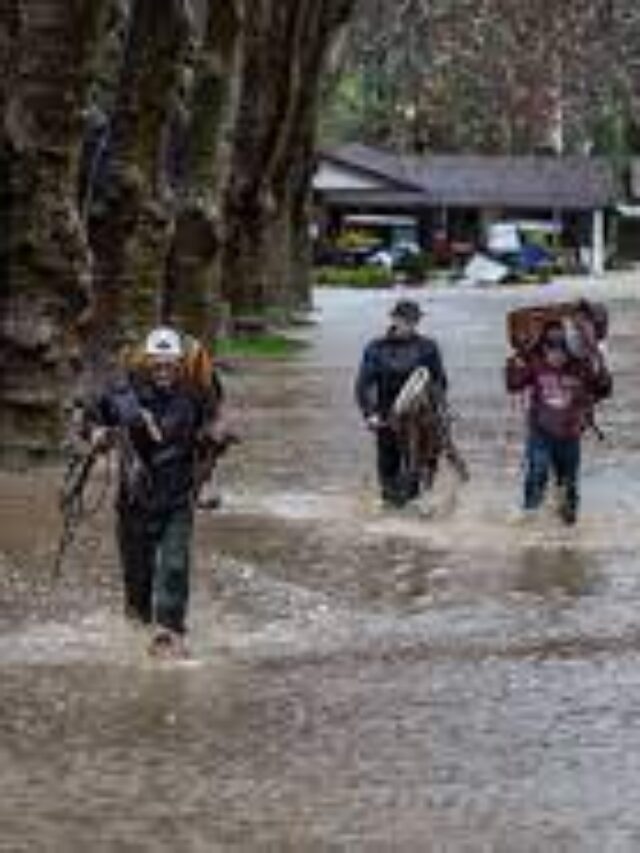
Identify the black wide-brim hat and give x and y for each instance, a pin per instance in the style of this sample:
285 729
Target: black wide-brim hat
407 309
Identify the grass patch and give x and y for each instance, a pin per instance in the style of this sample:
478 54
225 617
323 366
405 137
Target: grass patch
365 277
270 345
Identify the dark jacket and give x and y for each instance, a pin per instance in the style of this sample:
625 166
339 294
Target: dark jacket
561 400
156 475
387 363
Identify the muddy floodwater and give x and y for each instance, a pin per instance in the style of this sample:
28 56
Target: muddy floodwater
361 679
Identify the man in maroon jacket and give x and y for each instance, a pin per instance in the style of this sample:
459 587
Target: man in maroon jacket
563 389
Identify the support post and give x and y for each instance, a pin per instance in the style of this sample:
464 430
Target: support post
598 248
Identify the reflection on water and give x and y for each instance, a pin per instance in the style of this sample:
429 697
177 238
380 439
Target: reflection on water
360 679
565 570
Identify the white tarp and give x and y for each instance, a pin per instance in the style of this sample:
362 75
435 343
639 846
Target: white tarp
483 270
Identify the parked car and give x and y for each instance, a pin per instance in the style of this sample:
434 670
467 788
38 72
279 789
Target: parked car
524 247
396 256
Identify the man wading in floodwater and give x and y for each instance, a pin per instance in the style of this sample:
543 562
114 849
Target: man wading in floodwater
157 419
387 363
564 378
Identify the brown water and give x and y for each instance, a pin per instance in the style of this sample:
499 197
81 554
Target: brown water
361 680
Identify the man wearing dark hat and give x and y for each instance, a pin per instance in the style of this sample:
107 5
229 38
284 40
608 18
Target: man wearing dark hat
387 363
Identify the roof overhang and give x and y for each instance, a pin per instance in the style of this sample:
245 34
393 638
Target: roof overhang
375 199
388 219
467 181
629 211
403 200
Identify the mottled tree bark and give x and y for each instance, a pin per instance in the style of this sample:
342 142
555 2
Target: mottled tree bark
284 166
189 298
299 207
292 163
244 214
45 59
288 240
283 49
130 234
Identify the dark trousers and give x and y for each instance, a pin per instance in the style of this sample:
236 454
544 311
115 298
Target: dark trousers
560 456
155 556
398 484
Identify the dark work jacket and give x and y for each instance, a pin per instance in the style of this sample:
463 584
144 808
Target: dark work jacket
387 363
156 476
561 399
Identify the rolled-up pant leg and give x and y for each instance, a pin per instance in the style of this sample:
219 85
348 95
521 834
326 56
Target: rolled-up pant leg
171 581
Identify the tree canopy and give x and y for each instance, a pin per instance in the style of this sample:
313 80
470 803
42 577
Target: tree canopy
156 156
491 76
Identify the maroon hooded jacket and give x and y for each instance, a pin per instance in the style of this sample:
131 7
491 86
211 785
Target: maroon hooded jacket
561 399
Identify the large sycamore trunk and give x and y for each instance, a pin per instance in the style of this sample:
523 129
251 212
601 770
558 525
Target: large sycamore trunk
45 53
245 206
299 207
190 289
283 50
289 252
131 227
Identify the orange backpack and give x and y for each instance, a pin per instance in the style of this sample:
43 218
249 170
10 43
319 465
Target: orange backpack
197 369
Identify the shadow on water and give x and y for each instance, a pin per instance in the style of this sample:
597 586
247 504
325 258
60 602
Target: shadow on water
545 573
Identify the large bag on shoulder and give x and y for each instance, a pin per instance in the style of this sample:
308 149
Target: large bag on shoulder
525 325
196 367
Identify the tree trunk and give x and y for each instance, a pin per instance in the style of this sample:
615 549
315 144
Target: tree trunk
289 242
189 298
130 233
283 169
302 157
284 47
300 214
244 205
45 54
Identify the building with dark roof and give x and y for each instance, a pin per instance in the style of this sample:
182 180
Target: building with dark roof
460 195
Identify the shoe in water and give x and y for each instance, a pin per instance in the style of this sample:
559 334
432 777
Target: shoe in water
137 621
569 515
425 505
392 500
212 502
168 645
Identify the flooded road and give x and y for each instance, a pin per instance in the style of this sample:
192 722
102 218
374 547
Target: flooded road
361 680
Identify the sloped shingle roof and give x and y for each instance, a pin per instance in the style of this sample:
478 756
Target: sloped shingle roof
484 181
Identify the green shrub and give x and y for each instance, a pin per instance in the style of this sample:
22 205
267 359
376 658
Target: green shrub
415 267
366 276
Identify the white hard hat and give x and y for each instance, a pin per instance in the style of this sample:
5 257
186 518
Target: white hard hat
163 341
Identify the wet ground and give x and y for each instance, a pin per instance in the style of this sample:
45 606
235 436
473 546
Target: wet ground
361 680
